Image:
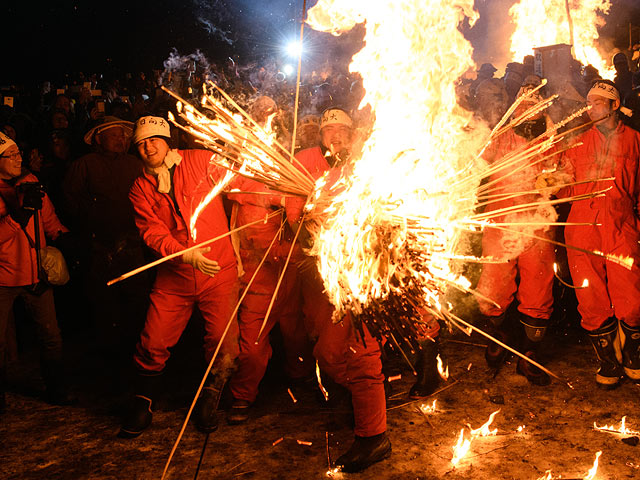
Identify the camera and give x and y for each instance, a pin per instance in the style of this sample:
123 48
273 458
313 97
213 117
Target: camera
32 194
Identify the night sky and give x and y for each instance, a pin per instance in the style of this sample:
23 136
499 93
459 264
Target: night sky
42 40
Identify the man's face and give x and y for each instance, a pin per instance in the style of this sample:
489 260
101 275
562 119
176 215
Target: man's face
113 140
309 135
10 163
601 108
152 151
336 137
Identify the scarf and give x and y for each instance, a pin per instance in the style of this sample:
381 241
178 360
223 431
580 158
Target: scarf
162 172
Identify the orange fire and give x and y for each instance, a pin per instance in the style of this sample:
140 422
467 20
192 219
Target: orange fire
410 178
462 446
444 372
622 429
589 476
545 22
424 408
592 472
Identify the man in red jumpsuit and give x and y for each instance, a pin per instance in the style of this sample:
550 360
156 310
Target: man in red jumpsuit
531 259
610 306
253 243
165 197
338 349
21 196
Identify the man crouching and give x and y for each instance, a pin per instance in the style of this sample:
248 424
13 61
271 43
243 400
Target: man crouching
165 197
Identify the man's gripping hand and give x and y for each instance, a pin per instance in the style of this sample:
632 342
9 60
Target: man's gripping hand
197 260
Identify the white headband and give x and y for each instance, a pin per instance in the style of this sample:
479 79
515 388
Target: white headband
604 90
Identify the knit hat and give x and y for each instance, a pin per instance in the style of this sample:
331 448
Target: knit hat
5 142
105 123
147 127
335 116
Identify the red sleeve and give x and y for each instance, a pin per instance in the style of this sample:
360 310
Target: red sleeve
153 230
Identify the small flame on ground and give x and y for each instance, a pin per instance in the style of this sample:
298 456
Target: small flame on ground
589 476
592 473
484 431
460 449
547 476
622 429
424 408
334 473
444 372
464 444
521 428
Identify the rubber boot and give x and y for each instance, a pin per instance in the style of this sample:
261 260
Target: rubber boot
206 414
364 452
534 331
140 413
631 351
427 370
606 342
55 380
499 328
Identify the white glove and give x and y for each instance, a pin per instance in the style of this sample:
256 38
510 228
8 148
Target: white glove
546 184
197 260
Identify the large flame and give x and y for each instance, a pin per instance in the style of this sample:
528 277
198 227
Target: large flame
408 183
545 22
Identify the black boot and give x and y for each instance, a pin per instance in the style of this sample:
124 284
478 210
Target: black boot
364 452
427 370
606 343
206 414
499 328
139 415
631 351
3 383
55 380
534 330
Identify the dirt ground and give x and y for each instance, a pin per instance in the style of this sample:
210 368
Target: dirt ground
40 441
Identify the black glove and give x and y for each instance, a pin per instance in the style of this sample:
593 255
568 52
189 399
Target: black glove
21 215
33 194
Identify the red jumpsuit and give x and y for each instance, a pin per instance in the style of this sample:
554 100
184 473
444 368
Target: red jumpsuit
613 289
338 350
532 259
254 242
178 288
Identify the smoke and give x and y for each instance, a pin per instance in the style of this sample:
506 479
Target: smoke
213 15
177 62
215 31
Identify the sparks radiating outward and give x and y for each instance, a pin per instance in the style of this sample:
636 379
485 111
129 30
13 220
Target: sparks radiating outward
546 22
388 233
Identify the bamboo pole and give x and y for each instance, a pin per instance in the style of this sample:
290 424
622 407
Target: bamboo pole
177 254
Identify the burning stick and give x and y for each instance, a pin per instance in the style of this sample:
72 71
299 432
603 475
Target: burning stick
621 430
295 400
276 442
322 389
177 254
585 282
305 443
